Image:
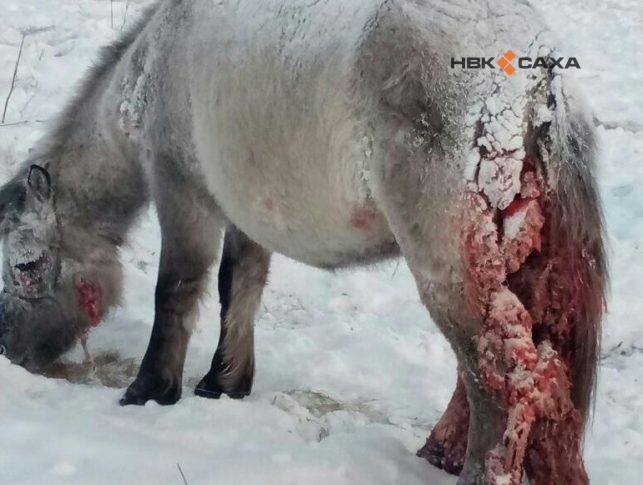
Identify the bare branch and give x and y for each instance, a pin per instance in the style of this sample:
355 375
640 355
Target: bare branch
22 122
13 79
36 30
25 33
31 98
185 482
125 14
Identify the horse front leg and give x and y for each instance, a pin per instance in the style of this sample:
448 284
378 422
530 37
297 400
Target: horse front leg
190 236
242 276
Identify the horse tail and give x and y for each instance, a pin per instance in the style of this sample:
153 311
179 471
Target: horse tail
574 246
563 286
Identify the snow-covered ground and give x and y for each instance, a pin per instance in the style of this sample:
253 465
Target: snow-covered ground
351 372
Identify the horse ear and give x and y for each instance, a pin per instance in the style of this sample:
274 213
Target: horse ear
39 182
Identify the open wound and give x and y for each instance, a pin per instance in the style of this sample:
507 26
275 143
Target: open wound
506 214
89 299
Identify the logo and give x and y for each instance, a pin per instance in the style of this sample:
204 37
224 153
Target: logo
505 62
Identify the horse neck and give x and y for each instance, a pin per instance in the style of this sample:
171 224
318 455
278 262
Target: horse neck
98 182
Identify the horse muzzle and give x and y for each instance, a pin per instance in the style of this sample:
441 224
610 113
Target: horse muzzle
34 332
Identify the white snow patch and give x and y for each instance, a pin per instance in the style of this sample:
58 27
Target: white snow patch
514 223
499 180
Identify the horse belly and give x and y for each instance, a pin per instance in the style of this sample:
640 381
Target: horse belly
321 219
281 148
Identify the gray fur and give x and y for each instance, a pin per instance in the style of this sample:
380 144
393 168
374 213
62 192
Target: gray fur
243 274
335 134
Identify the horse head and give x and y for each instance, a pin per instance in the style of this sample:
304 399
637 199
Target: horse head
34 329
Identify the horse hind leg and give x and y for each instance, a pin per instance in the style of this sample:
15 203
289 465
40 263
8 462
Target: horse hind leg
421 211
498 268
242 276
446 446
462 279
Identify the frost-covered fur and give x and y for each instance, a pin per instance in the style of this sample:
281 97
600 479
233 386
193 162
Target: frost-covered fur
336 133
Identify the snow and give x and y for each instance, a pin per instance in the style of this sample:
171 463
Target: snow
514 223
351 372
499 180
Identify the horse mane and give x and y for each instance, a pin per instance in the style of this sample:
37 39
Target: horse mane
108 57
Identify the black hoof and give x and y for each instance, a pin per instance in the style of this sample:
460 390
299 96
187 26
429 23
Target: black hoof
151 387
449 460
209 387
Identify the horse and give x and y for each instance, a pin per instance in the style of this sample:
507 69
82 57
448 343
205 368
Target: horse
337 134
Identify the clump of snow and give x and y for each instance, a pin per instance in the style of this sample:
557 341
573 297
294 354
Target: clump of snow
499 180
514 223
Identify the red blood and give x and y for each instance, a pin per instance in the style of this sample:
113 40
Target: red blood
89 299
529 163
28 283
515 206
529 376
362 218
531 187
484 261
446 447
528 238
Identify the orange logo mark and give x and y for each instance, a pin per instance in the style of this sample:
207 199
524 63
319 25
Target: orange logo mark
505 62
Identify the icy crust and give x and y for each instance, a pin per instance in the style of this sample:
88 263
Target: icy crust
496 122
132 105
